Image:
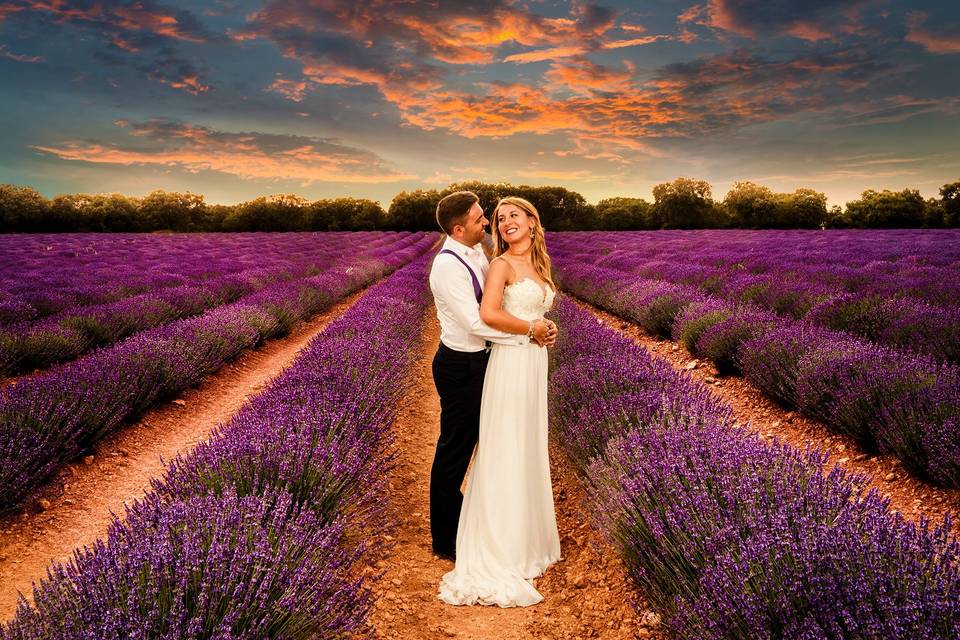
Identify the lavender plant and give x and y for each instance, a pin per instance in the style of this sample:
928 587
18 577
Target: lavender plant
257 532
57 415
868 391
878 285
728 536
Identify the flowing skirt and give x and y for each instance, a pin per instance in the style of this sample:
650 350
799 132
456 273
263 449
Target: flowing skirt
507 533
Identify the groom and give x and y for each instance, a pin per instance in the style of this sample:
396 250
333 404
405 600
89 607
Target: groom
456 280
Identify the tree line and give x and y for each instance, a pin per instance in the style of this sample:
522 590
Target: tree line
682 204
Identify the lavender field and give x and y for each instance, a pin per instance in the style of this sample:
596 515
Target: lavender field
729 534
860 330
275 526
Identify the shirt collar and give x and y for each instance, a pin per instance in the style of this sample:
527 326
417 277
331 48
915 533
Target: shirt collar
471 252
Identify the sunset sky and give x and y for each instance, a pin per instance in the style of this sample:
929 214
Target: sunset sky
235 100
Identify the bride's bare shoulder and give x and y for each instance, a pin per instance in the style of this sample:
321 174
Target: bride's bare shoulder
504 267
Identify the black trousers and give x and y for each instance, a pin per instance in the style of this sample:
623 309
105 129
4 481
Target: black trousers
458 377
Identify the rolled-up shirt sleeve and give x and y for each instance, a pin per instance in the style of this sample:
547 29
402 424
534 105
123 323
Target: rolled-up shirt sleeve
453 287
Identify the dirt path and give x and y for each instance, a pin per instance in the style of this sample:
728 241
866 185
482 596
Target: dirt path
908 495
75 508
586 594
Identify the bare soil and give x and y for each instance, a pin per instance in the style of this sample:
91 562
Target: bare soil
586 593
910 496
75 508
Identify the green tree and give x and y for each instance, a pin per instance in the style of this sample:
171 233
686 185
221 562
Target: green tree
751 206
172 211
112 212
886 210
23 209
685 204
280 212
216 214
616 214
345 214
414 211
950 204
489 193
68 212
560 209
802 209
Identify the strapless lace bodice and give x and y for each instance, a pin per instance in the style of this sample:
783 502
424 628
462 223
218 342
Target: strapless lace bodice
525 299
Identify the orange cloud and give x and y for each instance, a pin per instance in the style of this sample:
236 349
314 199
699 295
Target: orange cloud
122 43
138 16
942 41
248 156
694 14
546 54
585 77
750 18
290 89
604 112
809 31
576 50
633 42
191 84
472 39
452 35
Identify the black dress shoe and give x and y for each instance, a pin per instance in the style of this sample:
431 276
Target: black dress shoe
446 555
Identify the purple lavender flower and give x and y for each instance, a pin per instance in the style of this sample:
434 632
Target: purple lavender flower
203 567
72 406
261 531
727 536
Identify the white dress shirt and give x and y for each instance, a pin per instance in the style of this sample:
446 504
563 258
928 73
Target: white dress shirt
458 311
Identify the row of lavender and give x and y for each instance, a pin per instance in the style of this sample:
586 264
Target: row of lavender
71 332
262 531
796 275
888 400
50 419
917 263
43 274
728 536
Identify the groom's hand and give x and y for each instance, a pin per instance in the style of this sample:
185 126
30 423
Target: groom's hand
545 333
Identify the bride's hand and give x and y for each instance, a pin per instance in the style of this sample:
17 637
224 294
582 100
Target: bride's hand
545 333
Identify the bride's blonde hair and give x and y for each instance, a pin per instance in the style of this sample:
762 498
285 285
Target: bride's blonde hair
539 257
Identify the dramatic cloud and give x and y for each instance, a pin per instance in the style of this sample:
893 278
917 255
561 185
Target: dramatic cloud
593 102
176 72
128 23
247 155
596 94
405 53
811 20
938 37
451 32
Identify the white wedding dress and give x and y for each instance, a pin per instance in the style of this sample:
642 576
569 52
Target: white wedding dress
507 533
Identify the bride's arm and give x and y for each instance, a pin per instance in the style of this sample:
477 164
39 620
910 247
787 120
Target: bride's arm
491 306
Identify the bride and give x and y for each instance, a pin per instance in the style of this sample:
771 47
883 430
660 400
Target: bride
507 533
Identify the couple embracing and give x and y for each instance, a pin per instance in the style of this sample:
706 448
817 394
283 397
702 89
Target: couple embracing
490 371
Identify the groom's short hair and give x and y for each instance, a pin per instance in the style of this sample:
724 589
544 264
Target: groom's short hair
453 208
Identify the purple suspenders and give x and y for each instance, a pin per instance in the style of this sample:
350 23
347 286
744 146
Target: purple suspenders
476 283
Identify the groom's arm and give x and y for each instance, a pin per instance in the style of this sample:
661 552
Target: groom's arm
452 284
